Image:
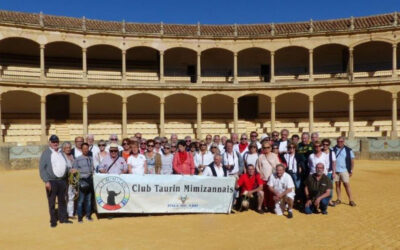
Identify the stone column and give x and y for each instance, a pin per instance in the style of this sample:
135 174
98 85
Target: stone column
311 65
123 65
235 68
235 115
161 66
351 117
394 57
85 115
124 118
351 65
43 136
311 114
84 64
198 71
272 113
393 134
199 134
42 69
272 73
162 121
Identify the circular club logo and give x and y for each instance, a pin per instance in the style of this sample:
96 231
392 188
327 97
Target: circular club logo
112 193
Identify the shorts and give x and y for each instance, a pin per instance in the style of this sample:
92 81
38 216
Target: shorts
343 177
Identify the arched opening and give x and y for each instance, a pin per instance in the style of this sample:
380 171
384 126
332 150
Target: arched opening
254 106
292 63
142 63
104 62
21 119
180 115
217 106
371 57
63 60
330 61
292 106
104 115
143 115
217 65
19 58
254 64
180 65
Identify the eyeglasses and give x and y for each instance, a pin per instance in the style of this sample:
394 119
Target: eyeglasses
55 142
167 148
188 140
290 147
102 145
253 136
266 147
340 141
113 151
150 145
275 134
326 144
113 139
243 138
125 143
157 142
317 146
275 148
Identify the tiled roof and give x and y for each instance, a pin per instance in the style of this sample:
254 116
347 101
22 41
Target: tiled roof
383 21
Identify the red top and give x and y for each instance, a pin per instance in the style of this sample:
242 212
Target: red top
183 165
126 155
248 183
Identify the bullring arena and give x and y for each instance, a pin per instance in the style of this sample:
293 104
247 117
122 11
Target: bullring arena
77 76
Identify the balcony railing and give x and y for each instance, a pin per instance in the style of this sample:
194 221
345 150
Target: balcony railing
26 72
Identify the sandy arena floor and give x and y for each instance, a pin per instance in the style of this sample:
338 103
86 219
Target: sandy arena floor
374 223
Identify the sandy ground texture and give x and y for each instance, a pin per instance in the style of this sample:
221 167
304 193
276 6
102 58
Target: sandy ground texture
374 223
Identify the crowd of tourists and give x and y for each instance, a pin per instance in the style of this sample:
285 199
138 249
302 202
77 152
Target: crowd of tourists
274 173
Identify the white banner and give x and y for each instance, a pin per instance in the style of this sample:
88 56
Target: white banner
129 193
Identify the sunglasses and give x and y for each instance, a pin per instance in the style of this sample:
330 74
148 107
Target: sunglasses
317 146
102 145
325 144
114 139
150 145
243 138
275 148
173 146
113 151
253 136
123 144
188 140
291 147
157 143
167 148
266 147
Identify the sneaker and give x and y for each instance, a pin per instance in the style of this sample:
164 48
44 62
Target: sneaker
66 222
260 211
290 215
80 220
352 203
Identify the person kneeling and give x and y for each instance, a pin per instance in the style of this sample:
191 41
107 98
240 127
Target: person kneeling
251 186
282 187
318 188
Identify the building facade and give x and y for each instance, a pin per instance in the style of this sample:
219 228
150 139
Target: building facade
62 74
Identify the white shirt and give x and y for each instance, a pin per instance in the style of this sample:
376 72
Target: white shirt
282 184
333 158
221 149
313 160
137 163
231 159
219 170
251 159
166 163
95 151
77 152
291 162
258 144
58 163
283 146
203 159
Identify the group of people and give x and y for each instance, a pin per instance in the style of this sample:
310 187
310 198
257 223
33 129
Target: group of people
273 172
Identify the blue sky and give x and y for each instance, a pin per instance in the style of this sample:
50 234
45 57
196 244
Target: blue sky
206 11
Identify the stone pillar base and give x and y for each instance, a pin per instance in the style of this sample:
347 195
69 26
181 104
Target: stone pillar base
393 135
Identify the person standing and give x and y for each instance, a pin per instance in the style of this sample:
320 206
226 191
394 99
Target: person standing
166 160
93 148
243 146
203 158
84 165
251 156
216 168
344 169
266 165
126 145
113 163
153 159
232 160
137 163
284 141
318 157
53 172
72 190
99 157
77 150
183 162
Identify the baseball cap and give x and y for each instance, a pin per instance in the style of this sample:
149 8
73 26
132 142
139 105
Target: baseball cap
263 136
54 138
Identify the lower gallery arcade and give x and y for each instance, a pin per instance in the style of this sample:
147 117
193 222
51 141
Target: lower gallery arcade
361 112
